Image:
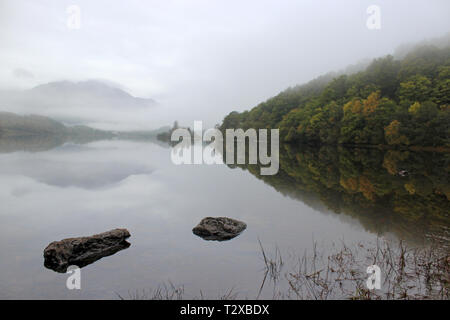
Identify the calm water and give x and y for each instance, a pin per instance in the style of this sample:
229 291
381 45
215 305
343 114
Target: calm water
50 191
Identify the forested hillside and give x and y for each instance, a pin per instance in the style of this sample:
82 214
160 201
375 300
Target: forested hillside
13 125
400 103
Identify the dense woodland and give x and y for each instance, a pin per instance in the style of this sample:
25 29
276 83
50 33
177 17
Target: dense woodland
393 102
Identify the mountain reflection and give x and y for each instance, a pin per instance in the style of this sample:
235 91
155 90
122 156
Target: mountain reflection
75 164
74 172
40 143
30 143
401 192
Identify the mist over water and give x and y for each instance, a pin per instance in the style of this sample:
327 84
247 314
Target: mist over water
100 76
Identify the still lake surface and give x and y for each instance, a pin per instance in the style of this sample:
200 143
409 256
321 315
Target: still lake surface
51 191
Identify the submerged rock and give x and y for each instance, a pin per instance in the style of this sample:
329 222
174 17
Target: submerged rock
219 229
403 173
82 251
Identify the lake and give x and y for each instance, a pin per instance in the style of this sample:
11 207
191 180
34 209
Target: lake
50 191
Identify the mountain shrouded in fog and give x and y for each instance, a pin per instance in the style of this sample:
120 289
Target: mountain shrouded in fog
76 102
90 93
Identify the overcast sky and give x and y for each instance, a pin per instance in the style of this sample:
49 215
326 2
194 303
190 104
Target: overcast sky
202 59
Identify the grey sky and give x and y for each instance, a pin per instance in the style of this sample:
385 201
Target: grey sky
202 59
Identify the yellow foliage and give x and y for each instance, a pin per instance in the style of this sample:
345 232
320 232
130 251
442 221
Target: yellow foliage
392 134
367 188
350 184
353 106
390 164
347 106
356 107
371 103
414 107
410 188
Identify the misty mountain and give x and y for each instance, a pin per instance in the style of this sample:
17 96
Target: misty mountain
87 93
68 94
83 102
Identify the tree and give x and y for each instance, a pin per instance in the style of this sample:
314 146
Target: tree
392 134
417 88
371 103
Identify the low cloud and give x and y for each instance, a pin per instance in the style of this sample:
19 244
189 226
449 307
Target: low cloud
23 74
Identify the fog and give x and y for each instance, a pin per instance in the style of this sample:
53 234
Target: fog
198 60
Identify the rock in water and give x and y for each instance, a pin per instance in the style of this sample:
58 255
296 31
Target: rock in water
219 229
403 173
84 250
